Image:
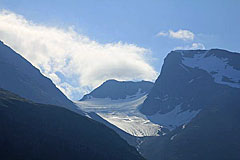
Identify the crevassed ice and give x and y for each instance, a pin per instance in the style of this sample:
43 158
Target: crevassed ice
122 113
125 115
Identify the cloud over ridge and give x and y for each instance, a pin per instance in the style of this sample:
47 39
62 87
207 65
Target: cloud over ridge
72 61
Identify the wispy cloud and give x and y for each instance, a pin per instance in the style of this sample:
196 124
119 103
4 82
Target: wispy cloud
162 34
73 61
193 46
180 34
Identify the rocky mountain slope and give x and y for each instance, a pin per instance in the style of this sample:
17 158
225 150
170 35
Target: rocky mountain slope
192 109
115 90
203 85
21 77
212 134
39 131
188 80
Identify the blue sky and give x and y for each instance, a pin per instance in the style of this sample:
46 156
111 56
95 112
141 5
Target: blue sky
214 23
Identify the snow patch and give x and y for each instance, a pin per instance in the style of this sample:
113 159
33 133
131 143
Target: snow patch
184 67
173 137
191 81
217 67
174 118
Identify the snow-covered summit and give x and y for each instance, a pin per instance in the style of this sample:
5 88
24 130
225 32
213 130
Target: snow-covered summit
191 78
222 65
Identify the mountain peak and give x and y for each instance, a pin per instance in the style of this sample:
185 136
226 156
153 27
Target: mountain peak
114 89
189 76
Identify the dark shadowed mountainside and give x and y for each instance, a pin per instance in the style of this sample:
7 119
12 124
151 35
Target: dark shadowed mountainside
114 89
207 81
22 78
39 131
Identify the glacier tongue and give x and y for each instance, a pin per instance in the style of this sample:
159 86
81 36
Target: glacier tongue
124 114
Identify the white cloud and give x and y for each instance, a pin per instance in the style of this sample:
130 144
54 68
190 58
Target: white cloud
162 34
180 34
197 46
193 46
73 61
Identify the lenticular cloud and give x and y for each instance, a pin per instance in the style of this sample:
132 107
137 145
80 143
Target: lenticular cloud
72 61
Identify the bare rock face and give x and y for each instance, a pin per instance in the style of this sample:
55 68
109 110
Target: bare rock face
206 82
114 89
190 78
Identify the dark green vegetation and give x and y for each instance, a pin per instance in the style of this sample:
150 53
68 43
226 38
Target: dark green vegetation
41 132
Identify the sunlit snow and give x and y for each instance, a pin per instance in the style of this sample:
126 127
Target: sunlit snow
217 67
124 114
